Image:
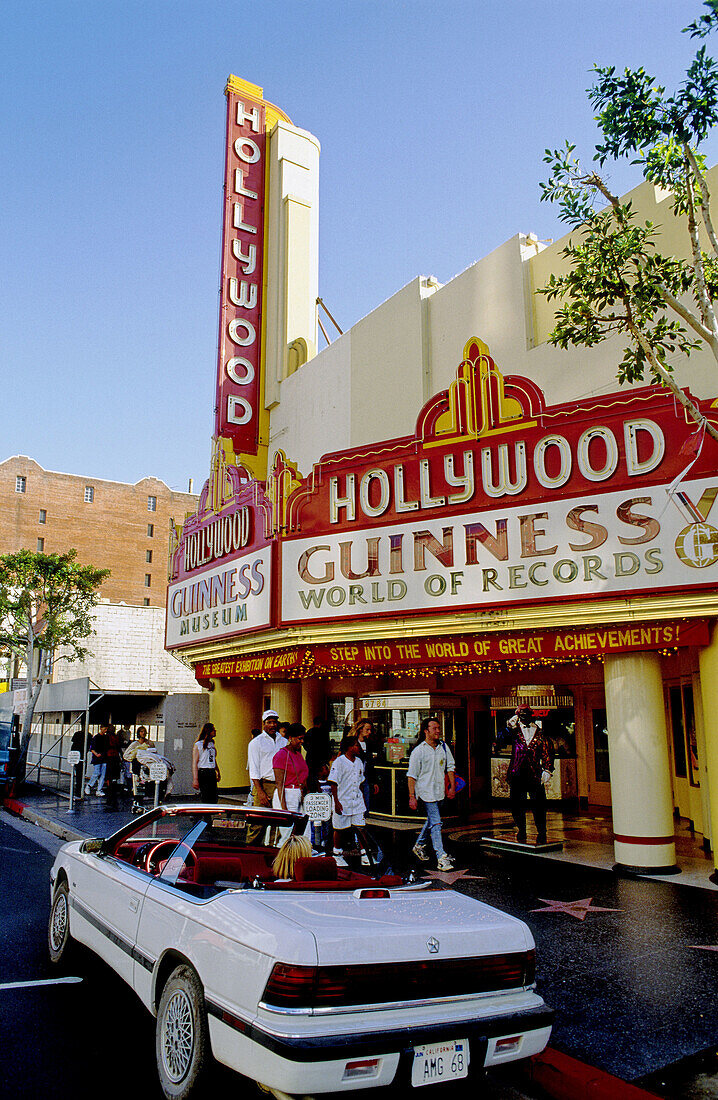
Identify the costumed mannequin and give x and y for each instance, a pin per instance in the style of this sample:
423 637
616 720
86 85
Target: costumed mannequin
529 770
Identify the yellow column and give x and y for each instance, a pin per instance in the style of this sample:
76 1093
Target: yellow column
702 769
640 765
312 701
708 664
286 699
235 706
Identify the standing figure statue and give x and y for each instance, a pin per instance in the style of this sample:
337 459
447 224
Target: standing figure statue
529 770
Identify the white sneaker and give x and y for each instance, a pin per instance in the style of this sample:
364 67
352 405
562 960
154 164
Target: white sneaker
88 789
421 853
446 863
365 861
100 794
339 858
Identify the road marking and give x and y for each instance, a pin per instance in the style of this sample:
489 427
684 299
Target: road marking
39 981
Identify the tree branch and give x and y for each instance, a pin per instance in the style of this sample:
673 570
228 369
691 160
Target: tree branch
704 302
706 203
689 318
669 382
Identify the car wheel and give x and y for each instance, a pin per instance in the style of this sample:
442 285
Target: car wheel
182 1040
59 941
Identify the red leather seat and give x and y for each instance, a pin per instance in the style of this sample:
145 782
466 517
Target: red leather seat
316 869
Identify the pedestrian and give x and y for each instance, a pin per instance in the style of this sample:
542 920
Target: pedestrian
290 771
205 770
345 779
113 756
260 755
317 744
529 770
362 730
321 830
125 742
77 744
431 776
141 743
98 760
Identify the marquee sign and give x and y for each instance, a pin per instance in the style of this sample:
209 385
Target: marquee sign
500 499
239 365
221 560
459 652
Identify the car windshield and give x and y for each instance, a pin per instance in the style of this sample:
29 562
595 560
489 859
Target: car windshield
205 845
205 850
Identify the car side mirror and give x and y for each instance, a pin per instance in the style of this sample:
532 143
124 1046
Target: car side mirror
96 846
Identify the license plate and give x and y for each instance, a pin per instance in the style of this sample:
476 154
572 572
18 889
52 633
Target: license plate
436 1062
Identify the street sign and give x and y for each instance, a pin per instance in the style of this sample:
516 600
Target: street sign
74 757
158 771
318 807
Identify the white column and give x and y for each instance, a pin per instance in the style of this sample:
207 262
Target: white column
639 763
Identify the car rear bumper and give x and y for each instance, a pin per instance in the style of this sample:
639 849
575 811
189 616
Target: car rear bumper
317 1064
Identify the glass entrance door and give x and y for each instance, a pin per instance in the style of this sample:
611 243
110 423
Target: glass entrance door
598 737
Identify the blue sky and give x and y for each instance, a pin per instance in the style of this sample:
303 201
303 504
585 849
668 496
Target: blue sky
432 116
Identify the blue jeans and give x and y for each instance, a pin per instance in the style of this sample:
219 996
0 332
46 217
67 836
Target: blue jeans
321 836
97 776
432 825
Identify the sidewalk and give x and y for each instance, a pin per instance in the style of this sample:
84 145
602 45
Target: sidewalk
630 965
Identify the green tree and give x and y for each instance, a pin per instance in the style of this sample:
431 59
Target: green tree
45 606
618 280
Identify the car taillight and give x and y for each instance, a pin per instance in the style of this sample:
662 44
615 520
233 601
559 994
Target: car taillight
292 986
529 974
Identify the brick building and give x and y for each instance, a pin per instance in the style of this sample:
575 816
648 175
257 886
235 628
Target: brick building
112 525
128 676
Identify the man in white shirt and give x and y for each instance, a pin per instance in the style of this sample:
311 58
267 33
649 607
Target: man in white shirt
260 755
430 762
259 759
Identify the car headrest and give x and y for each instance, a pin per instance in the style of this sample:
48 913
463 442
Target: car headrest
315 869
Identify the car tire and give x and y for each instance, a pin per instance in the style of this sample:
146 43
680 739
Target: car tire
60 943
182 1040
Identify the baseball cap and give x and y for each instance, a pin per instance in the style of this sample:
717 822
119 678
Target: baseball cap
269 714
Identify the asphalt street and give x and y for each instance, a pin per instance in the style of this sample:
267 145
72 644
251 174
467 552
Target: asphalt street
629 965
90 1035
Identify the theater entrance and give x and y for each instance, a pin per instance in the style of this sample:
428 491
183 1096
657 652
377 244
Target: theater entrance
598 776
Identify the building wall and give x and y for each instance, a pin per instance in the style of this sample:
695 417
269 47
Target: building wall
111 532
370 383
128 653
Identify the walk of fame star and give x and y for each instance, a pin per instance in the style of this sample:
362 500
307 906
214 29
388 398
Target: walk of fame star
450 877
577 909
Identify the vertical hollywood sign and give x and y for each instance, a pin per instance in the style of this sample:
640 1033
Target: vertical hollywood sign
240 320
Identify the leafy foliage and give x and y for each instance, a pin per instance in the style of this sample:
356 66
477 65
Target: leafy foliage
46 602
618 280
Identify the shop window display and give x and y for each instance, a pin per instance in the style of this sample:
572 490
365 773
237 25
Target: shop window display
556 713
397 720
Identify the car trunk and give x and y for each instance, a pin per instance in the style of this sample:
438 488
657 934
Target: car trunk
351 929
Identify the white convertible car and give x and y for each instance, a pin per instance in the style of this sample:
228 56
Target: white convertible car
335 980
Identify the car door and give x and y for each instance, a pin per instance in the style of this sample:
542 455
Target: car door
107 895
